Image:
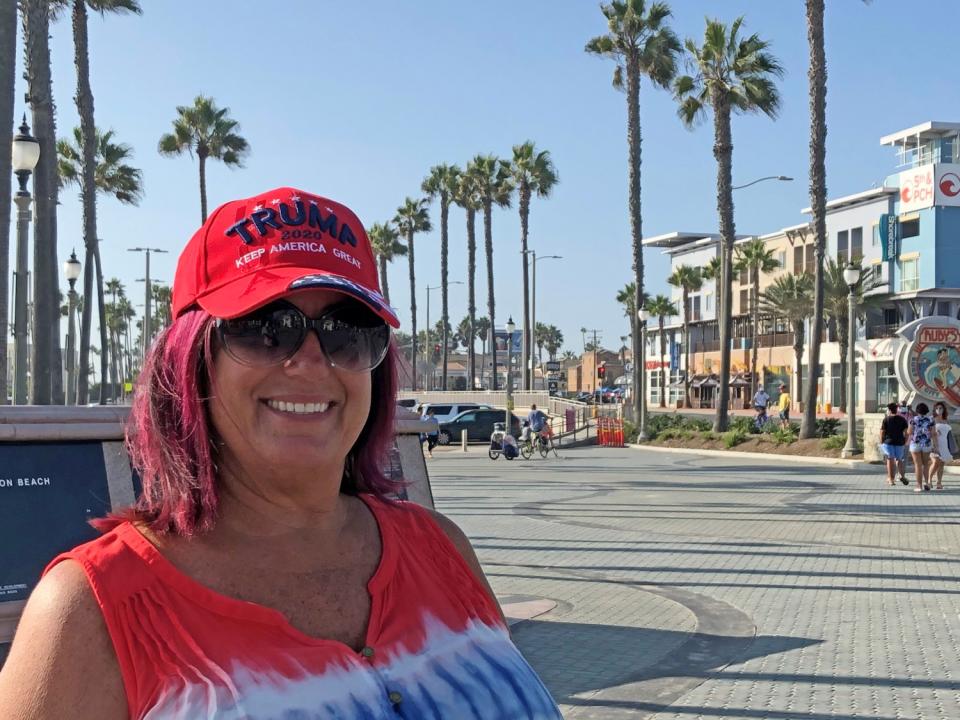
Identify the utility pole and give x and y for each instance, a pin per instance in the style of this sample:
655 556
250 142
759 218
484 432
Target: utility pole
596 365
146 311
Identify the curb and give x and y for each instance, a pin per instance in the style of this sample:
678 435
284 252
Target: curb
802 459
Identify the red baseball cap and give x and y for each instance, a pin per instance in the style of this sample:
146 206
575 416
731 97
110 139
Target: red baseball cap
253 251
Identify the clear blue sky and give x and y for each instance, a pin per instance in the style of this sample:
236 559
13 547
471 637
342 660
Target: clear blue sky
357 100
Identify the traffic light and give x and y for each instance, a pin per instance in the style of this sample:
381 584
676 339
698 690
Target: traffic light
601 371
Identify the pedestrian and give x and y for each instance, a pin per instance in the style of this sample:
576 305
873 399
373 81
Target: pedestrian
266 570
893 431
944 443
783 405
905 409
920 436
432 437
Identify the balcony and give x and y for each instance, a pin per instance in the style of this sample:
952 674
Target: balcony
876 332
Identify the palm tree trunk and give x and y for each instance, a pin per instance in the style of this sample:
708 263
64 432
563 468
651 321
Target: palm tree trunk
8 65
663 380
798 352
527 330
723 152
471 296
488 246
384 285
444 251
203 186
755 311
686 349
636 217
104 348
88 189
413 313
817 79
46 319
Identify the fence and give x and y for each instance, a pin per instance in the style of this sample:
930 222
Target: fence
609 432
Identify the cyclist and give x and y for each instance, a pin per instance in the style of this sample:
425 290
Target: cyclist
760 402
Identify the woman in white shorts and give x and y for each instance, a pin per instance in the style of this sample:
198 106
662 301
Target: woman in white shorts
941 444
920 436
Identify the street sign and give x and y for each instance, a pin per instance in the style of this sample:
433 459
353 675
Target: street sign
890 236
552 365
552 386
628 367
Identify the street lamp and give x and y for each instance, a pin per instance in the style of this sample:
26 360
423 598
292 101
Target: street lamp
71 270
783 178
426 351
642 315
528 345
851 275
147 328
25 155
510 328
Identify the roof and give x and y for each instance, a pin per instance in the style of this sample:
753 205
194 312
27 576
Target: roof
672 239
926 130
856 199
784 231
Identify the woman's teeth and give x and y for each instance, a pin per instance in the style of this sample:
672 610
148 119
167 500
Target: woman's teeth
298 408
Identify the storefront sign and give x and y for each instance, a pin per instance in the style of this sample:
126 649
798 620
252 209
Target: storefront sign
948 185
674 356
928 363
657 364
917 188
890 236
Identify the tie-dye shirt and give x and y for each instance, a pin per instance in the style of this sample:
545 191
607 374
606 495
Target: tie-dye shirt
435 644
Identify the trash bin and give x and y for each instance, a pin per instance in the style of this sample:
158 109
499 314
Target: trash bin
827 408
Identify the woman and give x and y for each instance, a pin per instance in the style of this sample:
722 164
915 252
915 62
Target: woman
920 436
941 454
264 572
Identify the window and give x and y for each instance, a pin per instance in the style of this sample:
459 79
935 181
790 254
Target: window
856 244
798 259
468 417
782 259
696 308
842 247
744 276
811 264
909 228
909 274
708 302
875 238
888 389
943 308
744 299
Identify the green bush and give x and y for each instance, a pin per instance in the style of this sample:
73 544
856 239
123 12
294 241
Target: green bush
734 437
835 442
710 435
784 436
630 432
742 424
698 424
826 427
658 423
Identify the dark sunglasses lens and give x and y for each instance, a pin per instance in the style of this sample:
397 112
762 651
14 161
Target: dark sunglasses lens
354 342
265 337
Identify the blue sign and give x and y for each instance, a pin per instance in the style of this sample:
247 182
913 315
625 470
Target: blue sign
890 236
674 356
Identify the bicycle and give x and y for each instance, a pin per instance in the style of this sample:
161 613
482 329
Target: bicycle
545 443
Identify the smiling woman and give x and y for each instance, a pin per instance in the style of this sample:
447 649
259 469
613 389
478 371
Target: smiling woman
266 570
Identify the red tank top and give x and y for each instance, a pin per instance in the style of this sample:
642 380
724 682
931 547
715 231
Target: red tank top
435 644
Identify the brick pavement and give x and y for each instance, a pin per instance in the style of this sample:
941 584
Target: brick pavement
710 588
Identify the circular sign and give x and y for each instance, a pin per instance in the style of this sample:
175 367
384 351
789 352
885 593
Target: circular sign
928 363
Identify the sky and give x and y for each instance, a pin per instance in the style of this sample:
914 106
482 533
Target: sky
356 101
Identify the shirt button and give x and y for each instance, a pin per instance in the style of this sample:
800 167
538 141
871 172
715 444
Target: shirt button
395 697
367 652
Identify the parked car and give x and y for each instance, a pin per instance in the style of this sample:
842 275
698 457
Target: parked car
444 412
584 396
409 403
478 423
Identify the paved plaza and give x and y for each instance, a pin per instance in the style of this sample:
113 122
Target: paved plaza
690 587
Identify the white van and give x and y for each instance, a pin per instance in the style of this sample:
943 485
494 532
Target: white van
443 412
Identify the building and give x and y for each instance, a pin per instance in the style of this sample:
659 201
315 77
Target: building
904 232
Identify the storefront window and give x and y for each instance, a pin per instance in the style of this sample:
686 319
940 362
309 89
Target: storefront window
887 386
909 274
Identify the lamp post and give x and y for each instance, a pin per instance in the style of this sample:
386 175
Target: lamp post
643 315
510 328
851 275
530 342
146 311
427 350
783 178
25 155
71 270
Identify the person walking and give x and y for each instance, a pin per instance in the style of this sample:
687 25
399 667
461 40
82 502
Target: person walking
760 402
920 436
432 437
944 444
783 405
893 431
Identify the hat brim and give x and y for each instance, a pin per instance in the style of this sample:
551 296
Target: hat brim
248 292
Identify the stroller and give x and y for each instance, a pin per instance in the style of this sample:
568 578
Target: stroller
502 443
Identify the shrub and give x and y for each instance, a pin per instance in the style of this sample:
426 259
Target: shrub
710 435
658 423
731 438
742 424
698 424
630 432
835 442
826 427
784 436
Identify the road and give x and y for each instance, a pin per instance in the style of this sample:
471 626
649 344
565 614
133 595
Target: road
714 588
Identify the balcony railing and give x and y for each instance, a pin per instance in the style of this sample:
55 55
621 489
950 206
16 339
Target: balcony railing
875 332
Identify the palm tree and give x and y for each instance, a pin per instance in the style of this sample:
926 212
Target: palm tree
730 74
688 279
641 44
442 182
112 176
568 355
8 66
817 92
114 321
553 340
386 244
662 307
208 131
628 298
412 217
532 173
755 258
481 327
45 354
466 196
491 182
713 270
791 297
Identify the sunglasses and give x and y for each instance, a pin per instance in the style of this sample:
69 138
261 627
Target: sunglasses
351 337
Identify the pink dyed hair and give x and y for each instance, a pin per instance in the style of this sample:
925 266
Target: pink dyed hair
170 439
